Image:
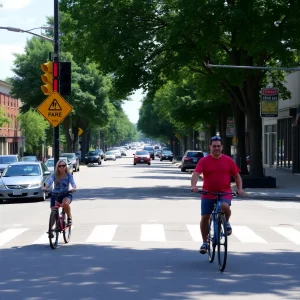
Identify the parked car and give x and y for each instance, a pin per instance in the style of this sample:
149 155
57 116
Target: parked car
117 152
190 159
101 153
150 150
166 155
74 160
110 155
50 164
24 180
142 157
5 160
92 157
30 158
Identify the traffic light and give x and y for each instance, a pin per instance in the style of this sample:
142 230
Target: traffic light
65 78
47 78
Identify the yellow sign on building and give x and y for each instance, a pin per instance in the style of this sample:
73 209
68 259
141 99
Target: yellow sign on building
55 109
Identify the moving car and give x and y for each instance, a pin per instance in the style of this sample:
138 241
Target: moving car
166 155
110 155
24 180
150 150
190 159
5 160
50 164
93 157
73 159
142 157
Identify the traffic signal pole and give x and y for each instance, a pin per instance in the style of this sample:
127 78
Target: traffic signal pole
56 59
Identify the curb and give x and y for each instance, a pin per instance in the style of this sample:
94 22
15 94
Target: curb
269 197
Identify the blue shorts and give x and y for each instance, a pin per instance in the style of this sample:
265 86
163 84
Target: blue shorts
207 205
60 198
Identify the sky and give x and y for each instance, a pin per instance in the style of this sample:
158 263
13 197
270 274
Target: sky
28 14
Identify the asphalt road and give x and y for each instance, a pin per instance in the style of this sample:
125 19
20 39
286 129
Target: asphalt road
136 236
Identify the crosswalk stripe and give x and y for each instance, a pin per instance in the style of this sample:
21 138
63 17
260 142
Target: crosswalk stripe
290 233
246 235
43 239
102 233
152 233
194 231
10 234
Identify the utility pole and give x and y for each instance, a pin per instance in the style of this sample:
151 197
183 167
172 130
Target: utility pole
56 60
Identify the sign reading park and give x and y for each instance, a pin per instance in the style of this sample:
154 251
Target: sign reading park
269 103
55 109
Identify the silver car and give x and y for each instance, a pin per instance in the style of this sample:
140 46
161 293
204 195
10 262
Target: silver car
5 160
50 164
24 180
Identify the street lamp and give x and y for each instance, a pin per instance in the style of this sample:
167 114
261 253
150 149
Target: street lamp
29 31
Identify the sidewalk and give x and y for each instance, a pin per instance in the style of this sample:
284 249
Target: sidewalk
288 187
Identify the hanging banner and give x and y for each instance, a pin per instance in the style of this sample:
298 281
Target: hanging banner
269 103
230 127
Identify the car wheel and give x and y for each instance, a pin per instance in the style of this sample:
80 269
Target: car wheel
161 160
104 159
78 169
1 201
183 169
43 198
75 170
99 162
134 164
149 164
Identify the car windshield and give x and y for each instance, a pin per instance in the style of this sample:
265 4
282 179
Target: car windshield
7 159
110 153
92 153
50 163
142 153
29 158
194 154
68 155
167 152
22 170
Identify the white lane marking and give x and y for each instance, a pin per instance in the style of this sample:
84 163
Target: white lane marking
44 239
102 233
194 231
10 234
290 233
246 235
152 233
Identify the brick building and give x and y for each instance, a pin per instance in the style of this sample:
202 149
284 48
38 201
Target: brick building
10 135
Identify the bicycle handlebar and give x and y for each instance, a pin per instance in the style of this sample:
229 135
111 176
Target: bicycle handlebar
202 192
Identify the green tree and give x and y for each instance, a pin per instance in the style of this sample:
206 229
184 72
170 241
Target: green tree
3 119
145 42
33 128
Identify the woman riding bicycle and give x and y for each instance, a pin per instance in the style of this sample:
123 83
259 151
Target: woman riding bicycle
62 179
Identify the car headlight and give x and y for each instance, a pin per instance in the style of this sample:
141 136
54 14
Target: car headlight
35 185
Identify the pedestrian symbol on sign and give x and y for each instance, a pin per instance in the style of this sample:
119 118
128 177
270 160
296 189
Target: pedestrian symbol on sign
54 106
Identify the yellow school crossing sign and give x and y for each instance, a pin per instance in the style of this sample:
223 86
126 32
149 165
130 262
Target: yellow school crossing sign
55 109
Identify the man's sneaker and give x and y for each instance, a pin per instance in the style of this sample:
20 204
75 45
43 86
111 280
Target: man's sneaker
69 223
229 229
203 248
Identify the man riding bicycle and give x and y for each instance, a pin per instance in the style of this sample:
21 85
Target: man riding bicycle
217 170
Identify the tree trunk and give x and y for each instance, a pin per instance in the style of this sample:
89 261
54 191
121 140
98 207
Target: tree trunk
226 140
240 128
66 125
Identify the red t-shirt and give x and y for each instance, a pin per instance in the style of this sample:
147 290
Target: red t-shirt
217 174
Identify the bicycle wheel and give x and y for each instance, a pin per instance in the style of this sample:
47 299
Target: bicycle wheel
53 231
211 240
67 230
222 242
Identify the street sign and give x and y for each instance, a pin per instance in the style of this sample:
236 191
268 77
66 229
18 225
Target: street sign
269 103
55 109
80 131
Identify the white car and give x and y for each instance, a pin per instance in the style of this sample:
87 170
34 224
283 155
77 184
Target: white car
50 164
110 155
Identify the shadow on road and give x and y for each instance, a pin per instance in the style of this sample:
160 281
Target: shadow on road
96 272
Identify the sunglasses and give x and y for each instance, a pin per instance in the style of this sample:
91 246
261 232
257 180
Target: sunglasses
216 138
61 166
